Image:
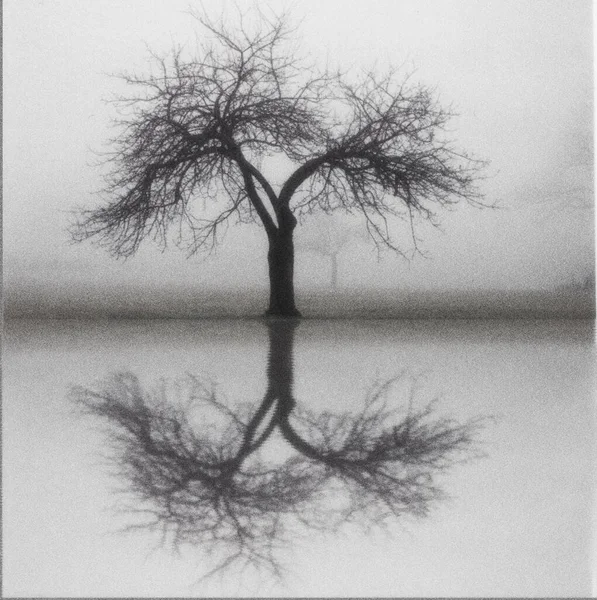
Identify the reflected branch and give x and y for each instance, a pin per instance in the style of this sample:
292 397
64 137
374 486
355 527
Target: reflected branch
194 483
193 464
386 463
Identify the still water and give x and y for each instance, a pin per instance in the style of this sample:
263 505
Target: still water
298 460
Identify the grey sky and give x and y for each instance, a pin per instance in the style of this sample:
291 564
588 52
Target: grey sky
518 72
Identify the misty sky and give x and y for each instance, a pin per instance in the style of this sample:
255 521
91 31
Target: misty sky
518 72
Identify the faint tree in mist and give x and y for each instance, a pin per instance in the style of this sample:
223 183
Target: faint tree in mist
566 186
192 468
329 236
562 194
198 129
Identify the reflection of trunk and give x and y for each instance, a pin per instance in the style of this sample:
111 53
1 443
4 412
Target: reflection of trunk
279 380
279 388
280 363
250 441
298 443
280 258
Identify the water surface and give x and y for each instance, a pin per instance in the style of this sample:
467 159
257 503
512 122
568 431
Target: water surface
516 522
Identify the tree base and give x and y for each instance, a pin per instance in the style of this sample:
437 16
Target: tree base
276 312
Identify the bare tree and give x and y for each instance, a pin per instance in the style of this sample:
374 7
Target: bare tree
199 128
192 466
328 236
199 486
566 184
386 464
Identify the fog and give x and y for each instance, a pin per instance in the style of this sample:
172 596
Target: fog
453 380
518 73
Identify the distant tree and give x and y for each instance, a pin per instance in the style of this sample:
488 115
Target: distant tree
328 236
588 282
199 127
562 194
194 471
583 284
567 184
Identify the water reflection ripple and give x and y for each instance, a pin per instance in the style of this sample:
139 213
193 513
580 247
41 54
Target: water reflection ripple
196 469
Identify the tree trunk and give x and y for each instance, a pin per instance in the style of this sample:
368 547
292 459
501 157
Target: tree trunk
334 271
280 258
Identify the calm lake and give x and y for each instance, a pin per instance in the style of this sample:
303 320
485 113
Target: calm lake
325 397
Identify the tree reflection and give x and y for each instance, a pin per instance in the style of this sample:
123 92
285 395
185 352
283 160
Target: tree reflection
194 467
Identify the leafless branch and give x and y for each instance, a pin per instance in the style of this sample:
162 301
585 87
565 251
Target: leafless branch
194 475
197 126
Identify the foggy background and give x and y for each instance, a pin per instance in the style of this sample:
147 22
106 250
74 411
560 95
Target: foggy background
518 73
518 523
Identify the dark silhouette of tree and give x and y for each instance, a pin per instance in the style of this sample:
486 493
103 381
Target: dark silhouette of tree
198 129
194 470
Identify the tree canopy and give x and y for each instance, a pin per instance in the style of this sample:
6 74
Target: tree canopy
198 127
